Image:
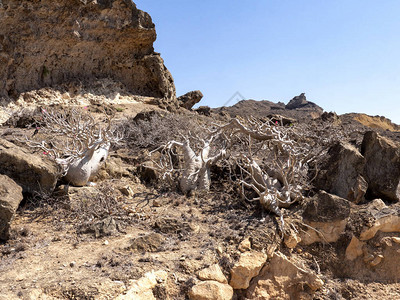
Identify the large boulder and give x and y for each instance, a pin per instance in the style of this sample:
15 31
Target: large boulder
32 172
327 216
382 168
190 99
50 42
342 173
10 198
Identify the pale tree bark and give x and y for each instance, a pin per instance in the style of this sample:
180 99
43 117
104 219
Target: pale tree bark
76 142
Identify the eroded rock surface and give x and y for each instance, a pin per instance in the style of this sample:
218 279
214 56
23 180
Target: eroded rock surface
10 198
211 290
382 168
45 43
30 171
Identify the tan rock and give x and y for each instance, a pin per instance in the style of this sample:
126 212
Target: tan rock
142 289
10 198
248 266
354 249
213 272
245 245
377 260
291 240
211 290
396 240
283 279
384 223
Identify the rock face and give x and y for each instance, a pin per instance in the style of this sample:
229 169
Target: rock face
328 215
300 102
190 99
382 168
30 171
341 173
10 198
45 43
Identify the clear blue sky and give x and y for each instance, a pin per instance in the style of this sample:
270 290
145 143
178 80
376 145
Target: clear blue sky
344 54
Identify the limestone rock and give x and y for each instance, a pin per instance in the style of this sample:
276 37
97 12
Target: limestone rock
190 99
45 43
248 266
10 198
213 272
142 289
245 245
328 215
283 279
382 168
211 290
341 174
354 249
30 171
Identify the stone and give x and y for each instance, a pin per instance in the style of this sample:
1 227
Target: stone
10 198
282 278
248 266
35 174
79 40
341 174
291 240
245 245
382 168
204 110
300 103
327 215
211 290
127 191
142 289
214 273
354 249
149 243
190 99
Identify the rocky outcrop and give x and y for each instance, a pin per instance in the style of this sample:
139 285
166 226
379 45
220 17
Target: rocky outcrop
327 216
300 102
382 168
10 198
342 173
45 43
248 266
281 278
211 290
30 171
190 99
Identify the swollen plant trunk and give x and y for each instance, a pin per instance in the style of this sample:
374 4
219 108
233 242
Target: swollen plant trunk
81 170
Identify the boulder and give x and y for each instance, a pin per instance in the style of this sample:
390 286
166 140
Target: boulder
69 40
211 290
142 289
190 99
214 273
327 215
10 198
284 279
300 103
248 266
342 173
382 168
32 172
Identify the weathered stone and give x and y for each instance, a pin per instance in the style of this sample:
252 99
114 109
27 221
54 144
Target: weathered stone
44 43
342 173
142 289
327 215
283 279
291 240
211 290
245 245
248 266
382 168
149 243
10 198
32 172
213 272
190 99
354 249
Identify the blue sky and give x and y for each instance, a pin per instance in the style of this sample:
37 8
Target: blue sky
344 54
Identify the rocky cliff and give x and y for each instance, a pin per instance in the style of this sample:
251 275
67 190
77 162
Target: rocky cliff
50 42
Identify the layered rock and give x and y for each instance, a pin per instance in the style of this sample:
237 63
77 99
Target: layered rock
45 43
10 198
382 168
30 171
